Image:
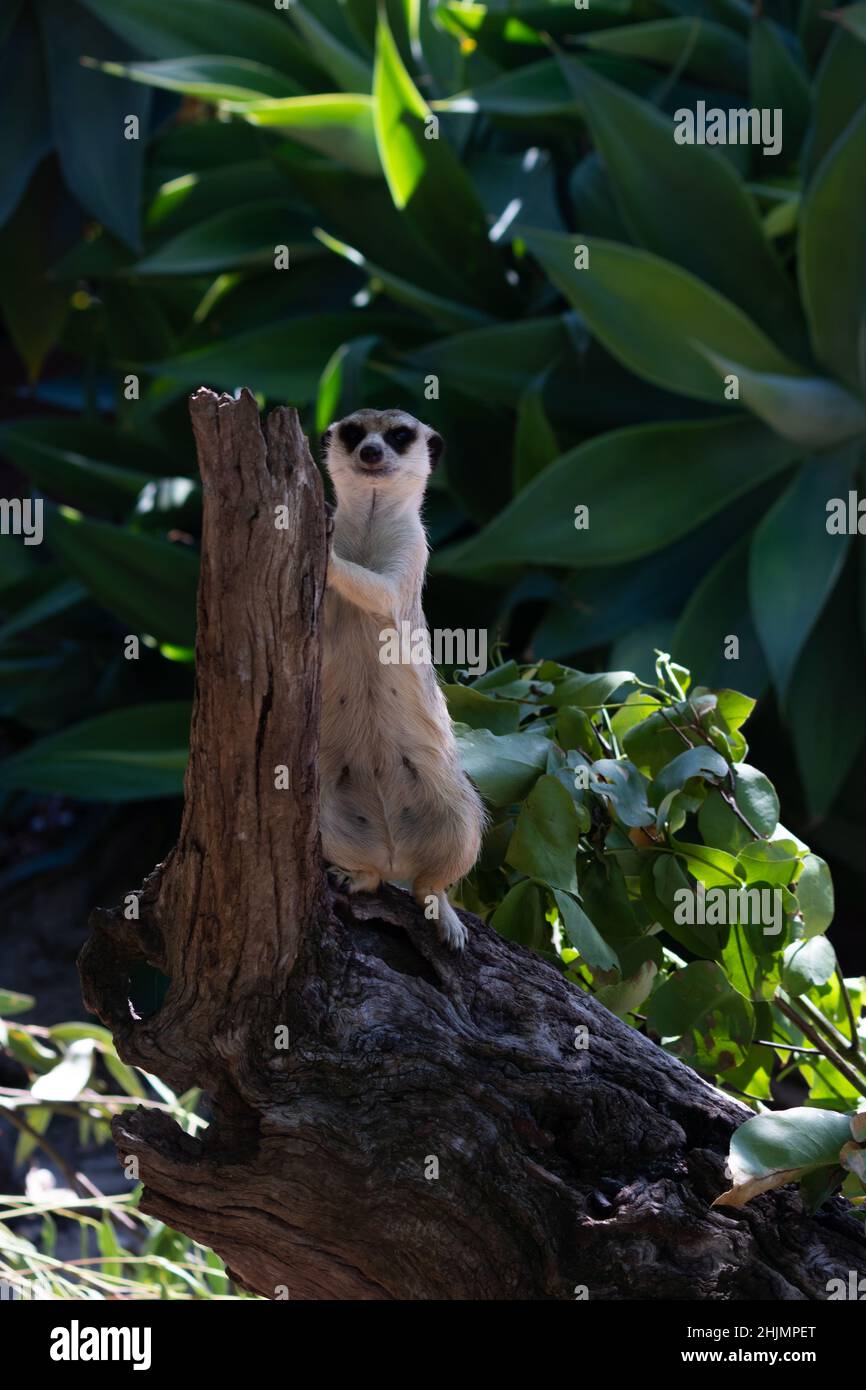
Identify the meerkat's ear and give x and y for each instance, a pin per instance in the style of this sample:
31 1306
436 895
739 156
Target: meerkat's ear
325 440
435 448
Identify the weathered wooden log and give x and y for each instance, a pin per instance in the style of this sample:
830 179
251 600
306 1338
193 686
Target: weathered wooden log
389 1120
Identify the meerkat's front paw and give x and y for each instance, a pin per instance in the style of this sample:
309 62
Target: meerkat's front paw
349 882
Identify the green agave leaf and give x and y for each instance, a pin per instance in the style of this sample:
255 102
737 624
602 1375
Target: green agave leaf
535 90
127 755
429 184
649 464
146 581
713 1023
852 18
86 465
839 86
826 698
283 359
717 611
499 362
674 199
832 257
778 81
794 564
58 599
706 51
447 314
239 236
545 839
350 71
658 320
101 166
220 27
535 443
811 411
337 124
206 77
23 111
771 1150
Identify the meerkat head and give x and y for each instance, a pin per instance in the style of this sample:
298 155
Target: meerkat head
382 448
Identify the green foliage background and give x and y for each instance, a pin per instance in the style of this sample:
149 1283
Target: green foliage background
133 270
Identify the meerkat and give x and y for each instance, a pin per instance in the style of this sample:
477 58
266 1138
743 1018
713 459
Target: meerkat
395 802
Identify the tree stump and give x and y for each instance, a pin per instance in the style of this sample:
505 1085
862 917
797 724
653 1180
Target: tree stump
431 1130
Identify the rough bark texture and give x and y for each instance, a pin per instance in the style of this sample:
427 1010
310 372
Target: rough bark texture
557 1167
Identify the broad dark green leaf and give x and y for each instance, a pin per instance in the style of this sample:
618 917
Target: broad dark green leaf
779 82
85 465
832 256
126 755
146 581
794 563
715 633
102 162
348 69
656 318
220 27
674 199
809 410
826 698
23 112
707 51
447 314
284 359
838 96
239 236
652 466
499 362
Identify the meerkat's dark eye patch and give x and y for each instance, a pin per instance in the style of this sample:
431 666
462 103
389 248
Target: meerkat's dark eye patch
435 448
399 438
351 435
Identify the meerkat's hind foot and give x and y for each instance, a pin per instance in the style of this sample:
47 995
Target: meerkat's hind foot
450 930
353 881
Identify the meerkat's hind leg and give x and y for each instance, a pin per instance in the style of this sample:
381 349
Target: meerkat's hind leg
449 928
354 880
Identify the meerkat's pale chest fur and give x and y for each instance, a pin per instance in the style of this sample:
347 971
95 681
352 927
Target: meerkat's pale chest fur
395 802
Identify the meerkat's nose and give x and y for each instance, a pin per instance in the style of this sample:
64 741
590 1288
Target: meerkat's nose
371 453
